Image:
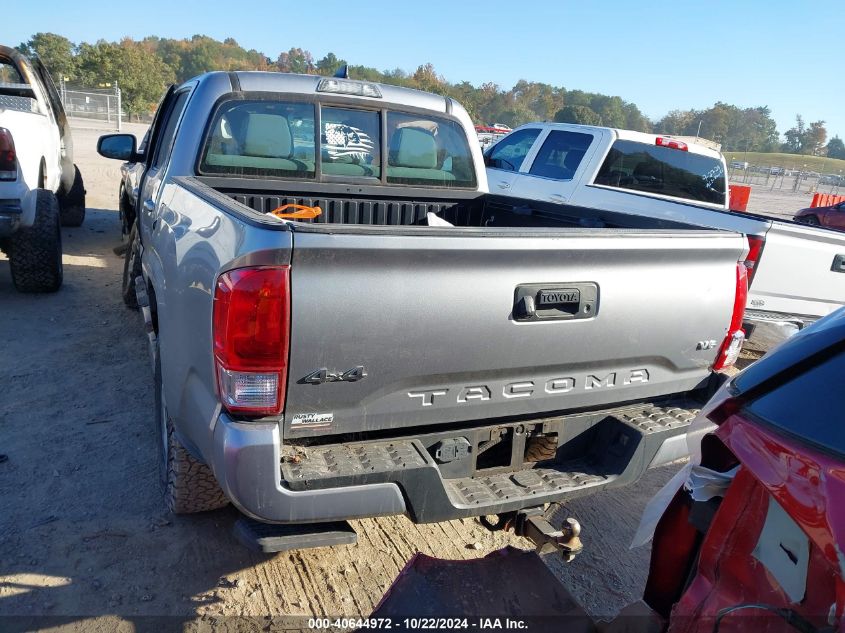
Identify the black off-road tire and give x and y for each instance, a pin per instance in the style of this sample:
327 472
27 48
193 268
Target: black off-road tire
541 448
73 202
188 485
131 268
35 253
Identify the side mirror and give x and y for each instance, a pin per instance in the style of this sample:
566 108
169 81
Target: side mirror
118 146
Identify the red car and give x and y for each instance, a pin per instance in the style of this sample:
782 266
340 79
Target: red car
832 216
767 552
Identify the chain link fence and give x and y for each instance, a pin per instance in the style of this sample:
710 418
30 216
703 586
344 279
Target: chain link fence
778 178
94 104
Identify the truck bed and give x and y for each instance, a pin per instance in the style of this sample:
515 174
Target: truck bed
457 208
433 314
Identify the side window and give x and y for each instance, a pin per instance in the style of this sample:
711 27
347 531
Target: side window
168 132
561 154
509 153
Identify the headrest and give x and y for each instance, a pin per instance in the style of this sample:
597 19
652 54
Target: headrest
413 147
268 135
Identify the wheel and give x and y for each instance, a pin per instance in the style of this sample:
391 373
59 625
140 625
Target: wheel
35 253
188 485
73 202
541 448
131 268
812 220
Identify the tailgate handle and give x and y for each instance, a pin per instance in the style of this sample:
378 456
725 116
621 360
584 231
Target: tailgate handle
555 302
838 264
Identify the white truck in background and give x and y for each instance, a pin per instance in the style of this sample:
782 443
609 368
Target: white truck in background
796 272
40 187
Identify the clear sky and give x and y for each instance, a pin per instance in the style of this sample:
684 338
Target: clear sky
675 54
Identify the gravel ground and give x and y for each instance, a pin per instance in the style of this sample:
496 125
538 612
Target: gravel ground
84 534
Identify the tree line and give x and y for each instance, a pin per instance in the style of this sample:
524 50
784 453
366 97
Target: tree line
143 68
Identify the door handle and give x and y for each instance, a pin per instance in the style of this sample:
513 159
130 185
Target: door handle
838 265
557 197
149 205
504 184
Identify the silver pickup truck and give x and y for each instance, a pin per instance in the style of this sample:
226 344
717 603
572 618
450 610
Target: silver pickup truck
402 341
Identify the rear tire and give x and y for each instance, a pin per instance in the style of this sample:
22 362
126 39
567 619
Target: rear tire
35 253
188 485
73 202
131 268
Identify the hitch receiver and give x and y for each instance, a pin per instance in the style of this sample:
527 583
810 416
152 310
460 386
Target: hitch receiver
533 525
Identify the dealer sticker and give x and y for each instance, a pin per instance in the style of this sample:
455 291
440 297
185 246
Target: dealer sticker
312 420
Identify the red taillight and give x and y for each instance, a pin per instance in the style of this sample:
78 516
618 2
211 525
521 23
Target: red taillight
755 247
8 158
731 346
251 330
665 141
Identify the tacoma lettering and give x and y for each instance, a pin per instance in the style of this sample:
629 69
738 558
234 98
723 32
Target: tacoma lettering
529 388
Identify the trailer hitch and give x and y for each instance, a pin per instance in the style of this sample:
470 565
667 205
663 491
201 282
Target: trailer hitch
533 524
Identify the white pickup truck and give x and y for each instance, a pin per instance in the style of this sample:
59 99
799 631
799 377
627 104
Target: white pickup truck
40 187
797 272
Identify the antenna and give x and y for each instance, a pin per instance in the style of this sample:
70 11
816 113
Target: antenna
342 72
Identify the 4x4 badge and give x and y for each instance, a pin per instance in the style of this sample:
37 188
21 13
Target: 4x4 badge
322 375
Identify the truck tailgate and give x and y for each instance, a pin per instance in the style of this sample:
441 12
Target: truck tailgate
433 318
796 273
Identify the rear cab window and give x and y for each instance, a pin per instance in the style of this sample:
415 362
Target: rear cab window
664 171
261 138
9 74
278 139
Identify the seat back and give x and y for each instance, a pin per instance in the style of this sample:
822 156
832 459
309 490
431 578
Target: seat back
268 135
414 148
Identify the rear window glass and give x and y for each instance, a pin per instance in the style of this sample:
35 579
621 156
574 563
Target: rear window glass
809 406
427 151
277 139
349 142
261 138
561 154
663 171
9 73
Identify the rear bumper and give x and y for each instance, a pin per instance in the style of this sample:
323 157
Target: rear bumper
294 484
246 464
17 207
766 330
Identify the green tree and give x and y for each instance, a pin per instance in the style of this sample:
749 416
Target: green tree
142 77
579 114
329 64
296 60
836 148
814 138
55 51
795 136
426 78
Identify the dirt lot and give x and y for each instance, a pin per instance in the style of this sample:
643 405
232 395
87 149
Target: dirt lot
84 535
